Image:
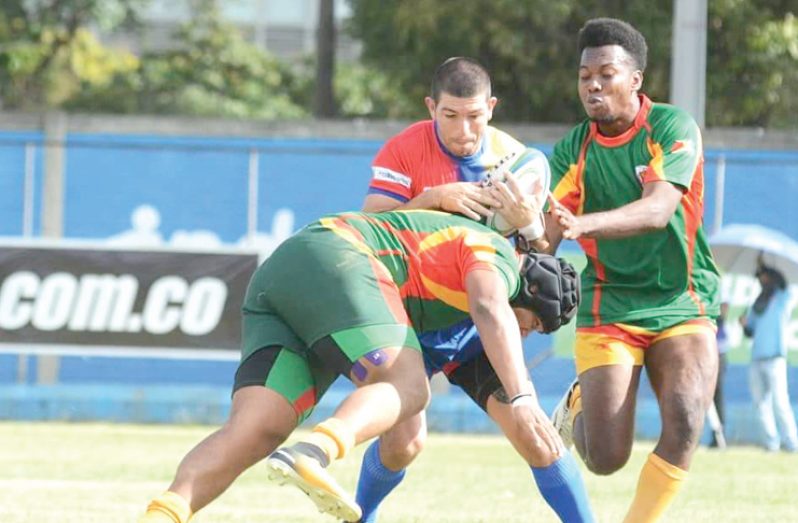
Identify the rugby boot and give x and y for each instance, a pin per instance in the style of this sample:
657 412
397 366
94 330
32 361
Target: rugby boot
562 417
290 466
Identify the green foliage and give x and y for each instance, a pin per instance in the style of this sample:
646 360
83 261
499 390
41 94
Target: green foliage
211 71
367 92
48 58
529 47
753 65
47 55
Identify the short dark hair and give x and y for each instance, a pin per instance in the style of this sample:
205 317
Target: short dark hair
599 32
461 77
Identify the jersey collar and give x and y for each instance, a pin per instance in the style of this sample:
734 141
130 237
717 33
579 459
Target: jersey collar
626 136
463 160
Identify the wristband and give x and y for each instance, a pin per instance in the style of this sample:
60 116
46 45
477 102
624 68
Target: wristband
519 397
533 231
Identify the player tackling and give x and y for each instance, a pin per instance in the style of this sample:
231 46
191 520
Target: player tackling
350 295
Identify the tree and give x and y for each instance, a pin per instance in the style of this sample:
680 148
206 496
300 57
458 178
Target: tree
46 53
210 71
752 76
529 47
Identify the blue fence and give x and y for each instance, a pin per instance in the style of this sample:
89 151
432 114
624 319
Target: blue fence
150 390
205 187
202 184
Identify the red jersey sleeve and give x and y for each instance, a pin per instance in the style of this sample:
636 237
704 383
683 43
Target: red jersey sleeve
390 173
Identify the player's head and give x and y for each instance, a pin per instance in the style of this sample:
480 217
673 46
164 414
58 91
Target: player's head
770 277
461 104
550 291
611 65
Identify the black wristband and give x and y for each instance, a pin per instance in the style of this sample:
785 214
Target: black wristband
519 396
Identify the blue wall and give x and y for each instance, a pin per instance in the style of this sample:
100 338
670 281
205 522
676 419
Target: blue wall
198 183
149 390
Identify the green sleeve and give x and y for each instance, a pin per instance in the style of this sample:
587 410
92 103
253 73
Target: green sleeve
679 138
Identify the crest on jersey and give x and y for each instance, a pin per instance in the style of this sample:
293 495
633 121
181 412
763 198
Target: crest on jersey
683 146
640 170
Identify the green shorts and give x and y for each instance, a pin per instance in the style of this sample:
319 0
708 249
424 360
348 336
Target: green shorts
302 378
313 285
319 304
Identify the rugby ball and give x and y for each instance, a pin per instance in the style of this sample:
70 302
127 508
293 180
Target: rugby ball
531 171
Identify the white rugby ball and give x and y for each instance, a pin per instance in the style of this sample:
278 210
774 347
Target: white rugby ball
531 171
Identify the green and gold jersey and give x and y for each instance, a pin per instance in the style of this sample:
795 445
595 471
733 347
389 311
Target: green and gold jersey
654 279
428 255
323 279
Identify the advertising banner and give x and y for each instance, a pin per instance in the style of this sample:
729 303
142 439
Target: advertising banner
109 297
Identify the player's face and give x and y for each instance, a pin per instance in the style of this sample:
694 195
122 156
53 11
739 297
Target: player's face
528 321
608 85
461 121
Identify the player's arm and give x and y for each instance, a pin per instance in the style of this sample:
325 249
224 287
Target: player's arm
501 339
498 329
554 233
677 145
652 211
466 198
393 187
524 212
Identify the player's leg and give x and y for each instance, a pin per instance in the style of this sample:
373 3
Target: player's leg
355 325
682 366
558 477
717 400
601 404
265 410
385 462
762 396
781 406
363 332
391 386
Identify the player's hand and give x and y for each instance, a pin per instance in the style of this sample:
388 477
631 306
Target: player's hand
536 427
466 198
569 223
517 208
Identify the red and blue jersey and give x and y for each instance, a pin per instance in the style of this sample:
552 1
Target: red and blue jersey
415 160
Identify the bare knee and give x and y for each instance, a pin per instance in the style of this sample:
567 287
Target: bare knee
398 454
258 441
407 376
257 427
608 459
415 392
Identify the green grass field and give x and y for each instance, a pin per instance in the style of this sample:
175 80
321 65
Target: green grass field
84 473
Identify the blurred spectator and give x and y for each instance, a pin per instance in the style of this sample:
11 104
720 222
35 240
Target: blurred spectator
766 322
723 348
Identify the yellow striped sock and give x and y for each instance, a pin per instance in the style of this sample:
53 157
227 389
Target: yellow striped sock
333 436
657 487
169 507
